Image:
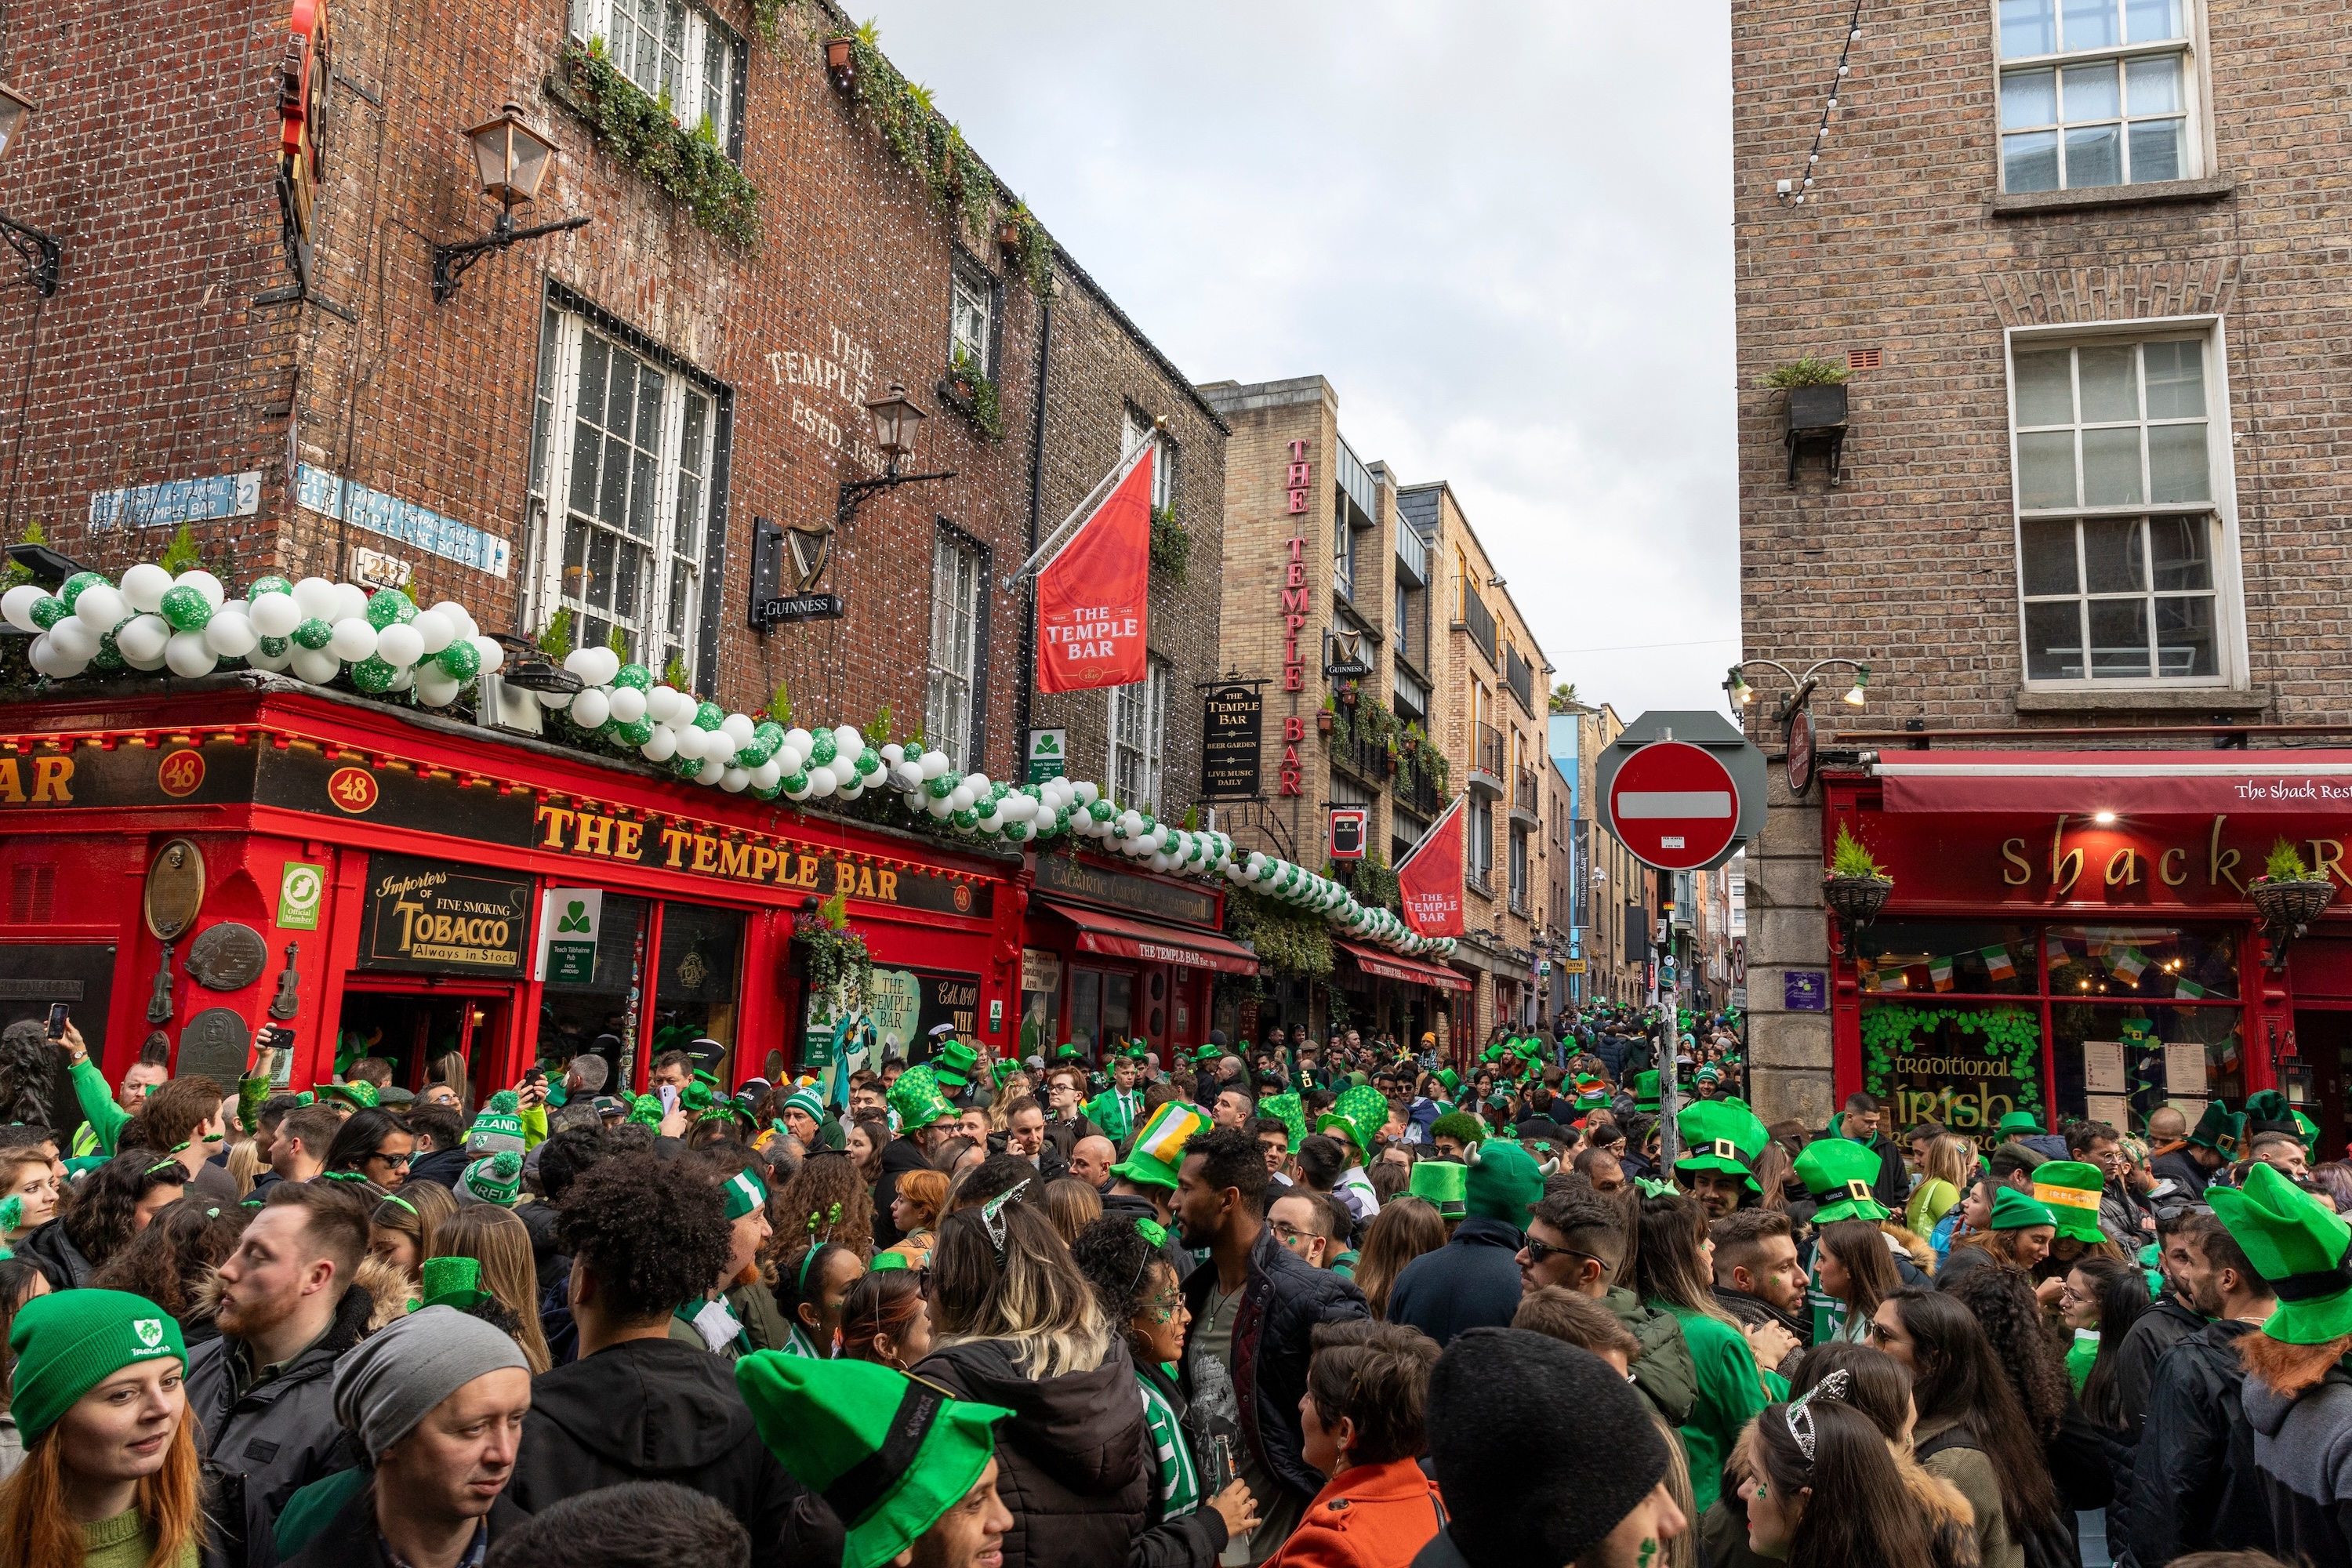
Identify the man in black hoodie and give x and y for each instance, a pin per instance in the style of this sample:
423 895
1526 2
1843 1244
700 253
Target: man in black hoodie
924 1120
645 1233
2171 1320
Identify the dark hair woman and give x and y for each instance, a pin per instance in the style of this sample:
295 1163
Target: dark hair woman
1853 1266
812 1291
172 1261
1401 1232
884 1320
2073 1452
2103 1300
1670 1274
1824 1490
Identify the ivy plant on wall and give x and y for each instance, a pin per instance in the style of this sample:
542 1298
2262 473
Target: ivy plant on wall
1288 940
1172 545
640 132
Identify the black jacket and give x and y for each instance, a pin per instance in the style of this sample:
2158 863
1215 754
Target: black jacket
442 1167
1131 1206
547 1256
898 1155
1473 1281
1072 1459
2160 1328
48 1250
2193 1484
1755 1312
349 1540
1282 1300
2302 1462
2189 1177
652 1410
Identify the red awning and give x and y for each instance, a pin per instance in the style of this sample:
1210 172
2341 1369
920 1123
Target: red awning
2150 784
1412 971
1120 937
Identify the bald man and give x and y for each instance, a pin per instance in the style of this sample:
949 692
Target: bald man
1091 1159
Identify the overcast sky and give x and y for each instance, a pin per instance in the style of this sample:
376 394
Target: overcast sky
1501 231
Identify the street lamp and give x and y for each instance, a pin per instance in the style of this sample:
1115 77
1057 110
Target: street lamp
512 159
1741 694
897 422
38 249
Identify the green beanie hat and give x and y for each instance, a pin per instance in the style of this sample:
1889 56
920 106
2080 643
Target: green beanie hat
451 1282
807 1101
1443 1183
1502 1183
67 1342
1839 1173
2291 1237
1461 1126
496 1179
2012 1210
2070 1190
744 1193
890 1455
498 1127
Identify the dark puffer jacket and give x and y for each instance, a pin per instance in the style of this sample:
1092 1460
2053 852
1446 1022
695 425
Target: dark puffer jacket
898 1157
1283 1299
1070 1461
1473 1281
2193 1486
51 1251
2160 1328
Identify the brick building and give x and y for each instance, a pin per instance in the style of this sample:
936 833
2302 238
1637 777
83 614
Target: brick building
1602 896
2078 261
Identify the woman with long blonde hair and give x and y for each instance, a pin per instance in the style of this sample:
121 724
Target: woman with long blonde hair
1946 1169
499 1240
110 1473
402 1228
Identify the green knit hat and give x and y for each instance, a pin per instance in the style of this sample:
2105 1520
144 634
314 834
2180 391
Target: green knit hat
1159 1147
955 1063
1442 1182
70 1342
2219 1129
1502 1182
890 1455
495 1179
358 1095
2019 1124
1838 1171
2292 1239
498 1129
916 1099
451 1282
805 1100
1720 1136
1290 1111
2012 1210
1646 1092
744 1193
1359 1114
2070 1190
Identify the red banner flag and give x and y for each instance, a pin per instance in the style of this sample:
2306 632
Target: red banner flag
1093 614
1429 878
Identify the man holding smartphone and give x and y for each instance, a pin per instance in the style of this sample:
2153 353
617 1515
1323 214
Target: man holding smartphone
106 1110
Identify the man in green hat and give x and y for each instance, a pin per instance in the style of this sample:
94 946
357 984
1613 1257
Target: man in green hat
1473 1281
1456 1134
954 1067
1441 1182
1356 1119
2070 1190
2212 1144
924 1118
1720 1147
909 1472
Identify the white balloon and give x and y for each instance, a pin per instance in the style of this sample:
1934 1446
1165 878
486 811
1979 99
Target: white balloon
939 808
100 607
42 657
821 782
580 661
893 754
400 644
315 598
604 664
691 742
734 779
977 783
435 690
435 630
661 704
713 770
316 665
847 740
800 740
551 700
800 794
662 747
628 704
204 583
851 787
275 614
274 663
767 774
906 778
1086 793
140 643
935 764
231 637
75 639
738 726
493 652
350 600
404 678
790 757
456 614
959 798
16 606
989 822
354 639
145 584
719 746
590 708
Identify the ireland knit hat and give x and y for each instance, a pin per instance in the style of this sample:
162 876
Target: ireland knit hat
1359 1114
498 1129
2070 1190
70 1342
1159 1147
2293 1240
1540 1447
916 1099
1502 1182
1838 1171
807 1101
2012 1210
493 1179
888 1453
1442 1183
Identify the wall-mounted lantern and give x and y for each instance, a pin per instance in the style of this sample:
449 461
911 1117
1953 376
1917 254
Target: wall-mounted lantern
512 159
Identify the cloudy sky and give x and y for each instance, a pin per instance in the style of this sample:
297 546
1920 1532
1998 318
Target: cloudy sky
1501 231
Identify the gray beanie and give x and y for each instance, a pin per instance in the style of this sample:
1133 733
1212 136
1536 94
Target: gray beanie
391 1380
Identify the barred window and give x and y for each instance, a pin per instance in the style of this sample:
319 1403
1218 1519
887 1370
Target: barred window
957 571
1139 722
680 54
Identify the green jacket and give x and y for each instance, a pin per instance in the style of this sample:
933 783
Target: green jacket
1663 1372
106 1120
1731 1391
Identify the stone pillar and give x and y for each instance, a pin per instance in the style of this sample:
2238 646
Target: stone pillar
1788 928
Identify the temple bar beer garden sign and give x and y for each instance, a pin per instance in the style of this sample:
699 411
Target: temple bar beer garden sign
1233 726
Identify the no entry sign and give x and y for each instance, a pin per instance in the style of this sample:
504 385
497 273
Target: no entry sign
1674 805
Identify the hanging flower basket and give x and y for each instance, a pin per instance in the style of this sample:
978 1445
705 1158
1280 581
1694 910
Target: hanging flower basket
840 61
2292 904
1856 900
1324 719
1008 235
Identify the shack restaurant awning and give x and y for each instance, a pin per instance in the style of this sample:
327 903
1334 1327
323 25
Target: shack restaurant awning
2146 783
1117 937
1412 971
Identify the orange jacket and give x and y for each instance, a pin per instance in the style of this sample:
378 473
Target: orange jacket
1373 1516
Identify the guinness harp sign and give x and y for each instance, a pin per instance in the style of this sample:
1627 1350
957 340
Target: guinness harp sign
787 565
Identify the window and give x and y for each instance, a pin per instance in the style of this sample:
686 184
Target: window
2123 553
1520 869
1343 552
1135 430
1479 816
957 570
674 51
1139 722
624 470
2095 92
972 321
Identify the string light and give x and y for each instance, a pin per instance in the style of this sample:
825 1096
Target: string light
1794 191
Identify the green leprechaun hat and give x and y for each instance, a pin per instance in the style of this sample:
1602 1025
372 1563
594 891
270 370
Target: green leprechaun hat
1292 1113
1717 1137
916 1099
2299 1247
955 1064
451 1282
1838 1172
1646 1092
2070 1190
2269 1112
2019 1124
2219 1129
888 1453
1442 1182
2012 1210
1358 1115
1159 1147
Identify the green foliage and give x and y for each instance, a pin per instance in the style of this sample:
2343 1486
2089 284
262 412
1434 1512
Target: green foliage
557 641
1850 858
982 404
13 574
840 968
1290 942
1172 545
1191 823
2283 865
1373 882
617 641
1033 250
1563 698
638 131
1810 371
1374 724
878 729
2011 1035
779 706
674 673
181 554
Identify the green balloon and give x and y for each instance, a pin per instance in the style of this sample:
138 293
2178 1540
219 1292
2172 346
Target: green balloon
938 788
49 611
755 754
869 762
709 716
637 733
966 819
274 647
795 784
390 607
267 585
374 675
461 660
1015 832
75 583
187 609
635 677
314 634
771 793
821 747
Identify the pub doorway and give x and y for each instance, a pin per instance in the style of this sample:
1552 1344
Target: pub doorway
2322 1040
413 1024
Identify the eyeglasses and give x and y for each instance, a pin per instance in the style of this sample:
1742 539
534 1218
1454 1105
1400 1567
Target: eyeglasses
395 1161
1539 1250
1288 1234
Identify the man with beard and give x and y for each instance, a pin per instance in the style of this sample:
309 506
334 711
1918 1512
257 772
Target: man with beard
925 1118
1720 1145
1758 1279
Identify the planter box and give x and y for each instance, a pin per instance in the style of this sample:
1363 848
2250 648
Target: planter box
1856 900
1816 407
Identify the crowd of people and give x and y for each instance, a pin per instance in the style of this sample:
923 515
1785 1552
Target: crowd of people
1299 1302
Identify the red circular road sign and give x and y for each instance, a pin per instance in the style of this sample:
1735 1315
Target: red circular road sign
1674 805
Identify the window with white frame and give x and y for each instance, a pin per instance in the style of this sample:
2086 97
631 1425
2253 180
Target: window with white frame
1478 821
970 323
622 474
675 52
2123 552
957 571
1134 431
2095 92
1139 723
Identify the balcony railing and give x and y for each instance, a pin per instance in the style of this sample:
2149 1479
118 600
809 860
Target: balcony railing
1477 619
1479 880
1489 758
1525 792
1522 677
1420 796
1367 759
1412 555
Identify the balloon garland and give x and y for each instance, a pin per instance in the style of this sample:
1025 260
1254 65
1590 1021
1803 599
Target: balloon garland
316 630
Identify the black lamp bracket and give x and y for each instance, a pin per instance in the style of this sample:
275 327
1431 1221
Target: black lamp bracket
450 261
39 250
856 493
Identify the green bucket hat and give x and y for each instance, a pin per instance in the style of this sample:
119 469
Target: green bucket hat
1838 1172
451 1282
1290 1111
357 1094
954 1066
2019 1124
1502 1183
2012 1210
2219 1129
1159 1147
70 1342
1646 1092
1442 1182
916 1099
1359 1114
1717 1136
2293 1241
887 1453
2070 1190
